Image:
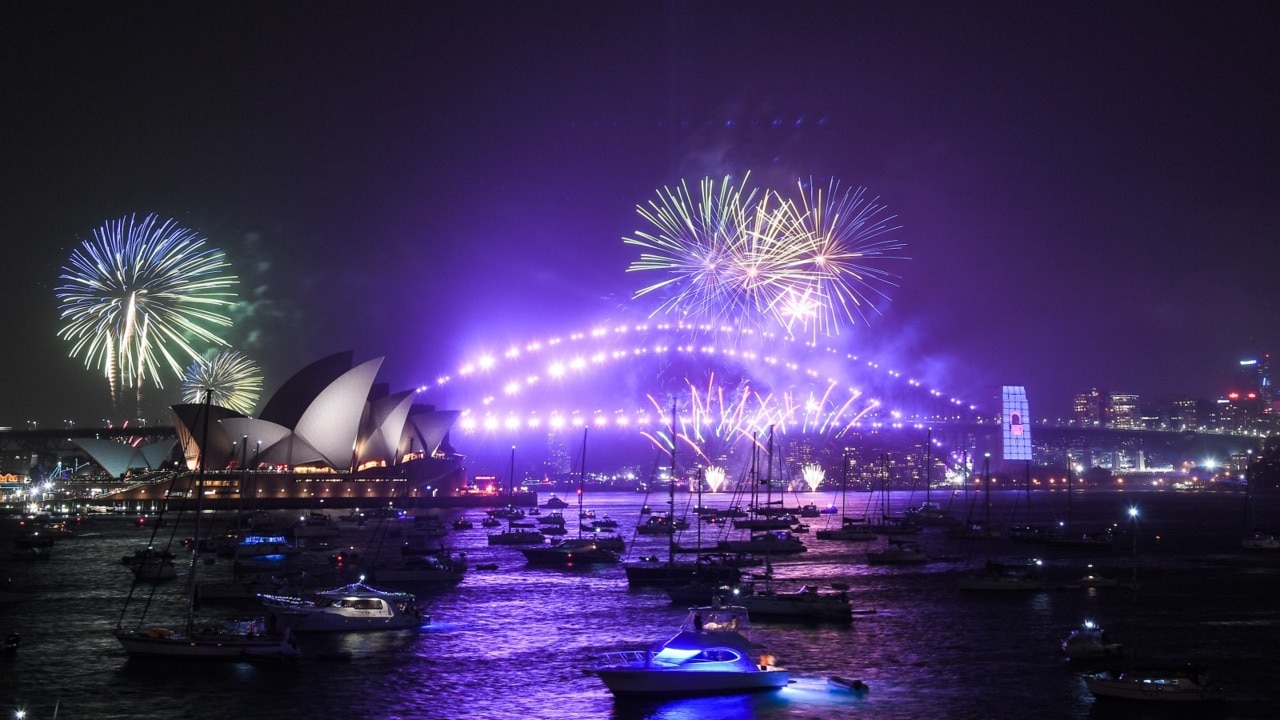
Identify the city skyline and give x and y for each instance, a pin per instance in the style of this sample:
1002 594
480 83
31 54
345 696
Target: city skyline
1085 193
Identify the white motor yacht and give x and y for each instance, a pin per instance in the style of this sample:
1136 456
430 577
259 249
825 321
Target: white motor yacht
354 607
710 655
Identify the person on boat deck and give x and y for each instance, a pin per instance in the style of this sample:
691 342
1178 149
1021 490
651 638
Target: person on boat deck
697 623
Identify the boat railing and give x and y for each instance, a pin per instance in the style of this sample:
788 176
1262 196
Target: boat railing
624 657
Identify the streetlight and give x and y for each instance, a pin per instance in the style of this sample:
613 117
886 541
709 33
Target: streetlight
1133 533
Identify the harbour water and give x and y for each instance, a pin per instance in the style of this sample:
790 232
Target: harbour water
517 642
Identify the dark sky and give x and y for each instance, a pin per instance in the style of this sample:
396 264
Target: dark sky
1088 190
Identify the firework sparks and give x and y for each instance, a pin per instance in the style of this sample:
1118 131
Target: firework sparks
702 244
839 235
138 295
814 476
715 477
806 265
234 380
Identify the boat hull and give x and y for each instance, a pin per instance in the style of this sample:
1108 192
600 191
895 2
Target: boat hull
155 644
1152 689
659 682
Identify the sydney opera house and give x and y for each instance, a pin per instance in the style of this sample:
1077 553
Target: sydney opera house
330 437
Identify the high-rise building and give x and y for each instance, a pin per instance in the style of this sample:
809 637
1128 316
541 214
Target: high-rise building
1122 412
1087 408
1185 415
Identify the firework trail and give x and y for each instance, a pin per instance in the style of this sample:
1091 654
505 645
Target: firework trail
139 293
234 380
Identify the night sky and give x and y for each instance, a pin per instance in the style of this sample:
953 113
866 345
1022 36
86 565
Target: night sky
1088 191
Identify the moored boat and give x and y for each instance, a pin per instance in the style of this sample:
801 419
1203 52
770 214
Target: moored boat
807 603
710 655
353 607
1180 684
241 639
1090 642
580 552
898 552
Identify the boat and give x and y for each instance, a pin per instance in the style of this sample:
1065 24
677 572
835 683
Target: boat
573 553
233 639
1093 579
517 536
462 524
434 568
898 552
555 503
350 608
776 542
1006 577
712 654
1260 540
651 571
779 541
316 526
845 683
1065 536
704 593
555 517
1188 683
10 644
515 533
1001 576
1090 642
851 529
1254 538
570 553
807 603
34 539
154 569
264 546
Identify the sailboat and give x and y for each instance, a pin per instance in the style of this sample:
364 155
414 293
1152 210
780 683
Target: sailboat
930 512
1253 537
852 529
657 573
807 603
999 575
1066 537
238 639
573 553
513 535
773 540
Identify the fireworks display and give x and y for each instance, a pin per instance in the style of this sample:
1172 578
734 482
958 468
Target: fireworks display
758 259
138 295
813 475
234 380
729 386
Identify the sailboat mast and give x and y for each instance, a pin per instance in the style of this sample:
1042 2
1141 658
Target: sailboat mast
511 480
195 546
582 479
844 482
768 478
928 465
671 493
